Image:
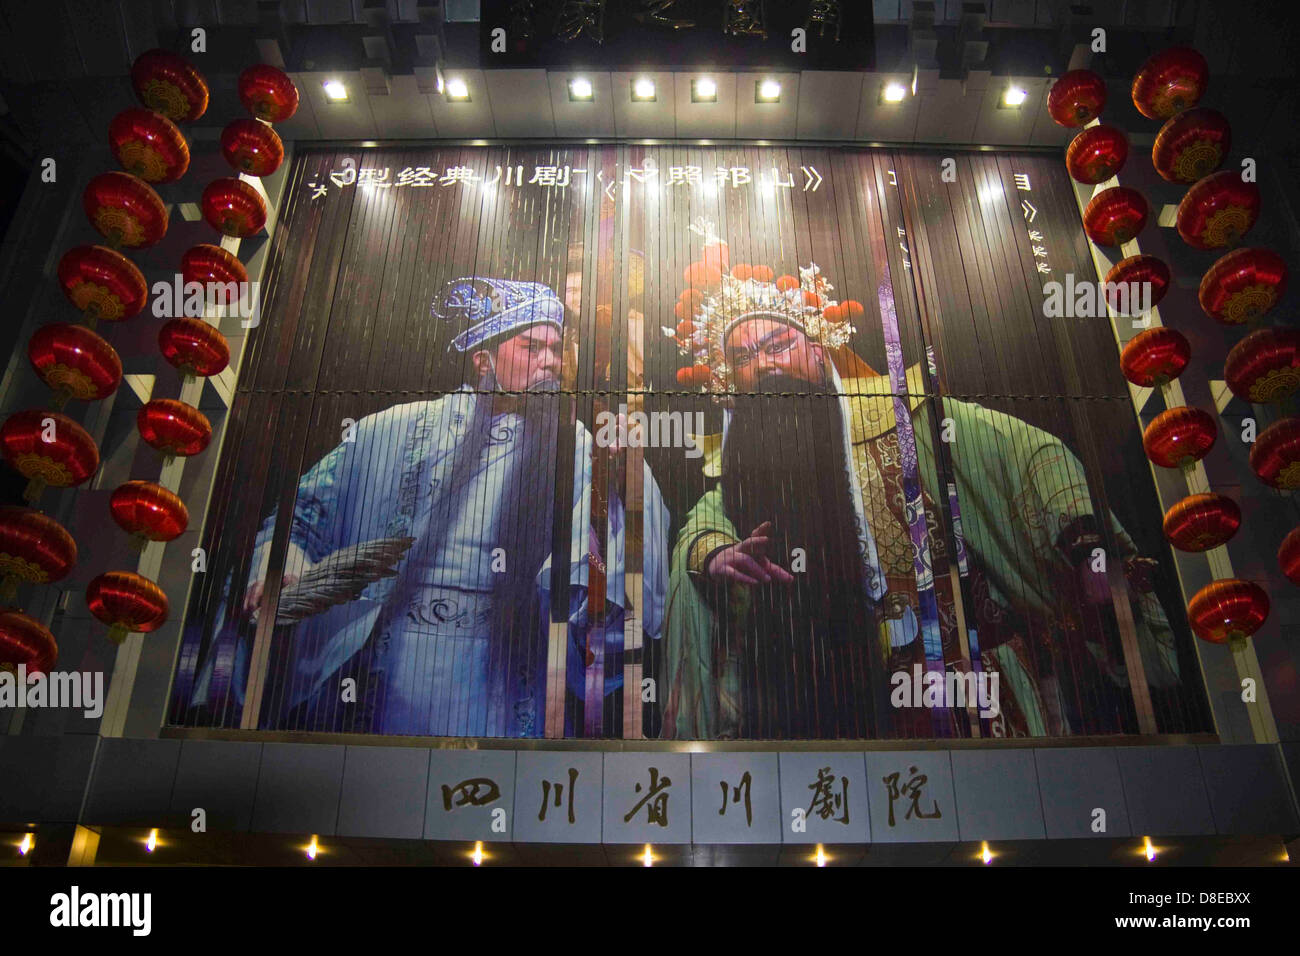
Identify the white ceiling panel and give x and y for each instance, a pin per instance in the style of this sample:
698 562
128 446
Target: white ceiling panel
767 120
947 114
707 120
828 104
594 117
655 120
405 113
348 120
521 103
999 126
465 120
886 122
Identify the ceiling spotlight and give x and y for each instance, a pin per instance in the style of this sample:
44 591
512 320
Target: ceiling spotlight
820 858
457 90
893 93
580 89
767 91
647 858
1014 96
335 91
1148 850
26 845
643 90
477 855
151 843
313 848
704 90
986 856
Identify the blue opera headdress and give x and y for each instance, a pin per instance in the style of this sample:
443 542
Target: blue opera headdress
486 309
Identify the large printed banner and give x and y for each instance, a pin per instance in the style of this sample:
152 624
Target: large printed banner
687 443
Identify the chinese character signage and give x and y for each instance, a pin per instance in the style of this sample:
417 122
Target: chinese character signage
682 443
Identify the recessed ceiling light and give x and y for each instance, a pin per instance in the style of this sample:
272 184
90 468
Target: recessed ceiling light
893 93
1014 96
643 90
767 91
580 89
457 90
335 91
704 90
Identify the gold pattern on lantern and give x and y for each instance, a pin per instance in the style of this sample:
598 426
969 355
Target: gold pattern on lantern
1275 385
119 225
12 566
143 161
73 381
51 472
1226 226
167 99
108 307
1249 303
1197 161
1289 477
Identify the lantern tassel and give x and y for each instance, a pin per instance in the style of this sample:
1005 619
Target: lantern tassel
35 488
8 589
117 633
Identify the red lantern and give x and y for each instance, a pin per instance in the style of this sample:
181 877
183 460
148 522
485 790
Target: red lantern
268 93
125 210
252 147
215 269
148 145
174 427
1288 556
1275 456
34 548
149 511
69 458
1129 278
1179 436
1243 285
1227 610
1115 215
1218 211
1155 357
1077 98
102 283
166 83
1264 367
26 642
1169 82
1096 154
1201 522
194 347
1191 145
233 207
126 602
75 362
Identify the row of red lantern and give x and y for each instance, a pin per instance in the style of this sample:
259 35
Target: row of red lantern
1216 212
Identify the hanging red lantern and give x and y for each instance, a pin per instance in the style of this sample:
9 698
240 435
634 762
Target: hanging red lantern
34 549
102 283
1264 367
26 642
1218 211
215 269
1096 154
1077 98
1243 285
1191 145
1201 522
149 511
75 362
233 207
1275 456
1179 436
1115 215
148 145
268 93
126 602
125 210
1169 82
67 459
1288 556
1137 284
194 347
167 83
174 427
252 147
1155 357
1228 610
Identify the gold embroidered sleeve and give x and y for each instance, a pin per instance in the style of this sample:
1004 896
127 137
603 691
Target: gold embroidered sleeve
704 546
